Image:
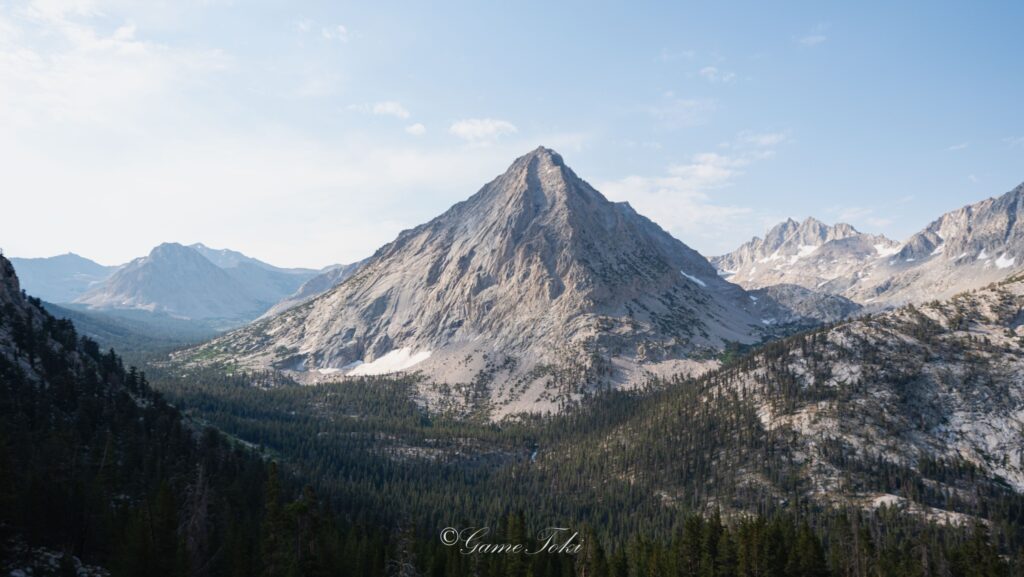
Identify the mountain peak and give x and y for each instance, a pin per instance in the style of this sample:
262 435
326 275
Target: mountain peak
542 152
537 273
170 248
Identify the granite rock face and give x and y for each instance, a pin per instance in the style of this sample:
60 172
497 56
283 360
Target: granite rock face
327 279
536 286
962 250
810 254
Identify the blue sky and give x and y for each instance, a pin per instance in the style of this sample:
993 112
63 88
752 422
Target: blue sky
307 133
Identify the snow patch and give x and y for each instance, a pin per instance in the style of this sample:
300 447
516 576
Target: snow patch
939 250
1003 262
694 279
982 255
883 250
392 362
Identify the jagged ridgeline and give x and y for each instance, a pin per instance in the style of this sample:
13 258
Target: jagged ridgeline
964 249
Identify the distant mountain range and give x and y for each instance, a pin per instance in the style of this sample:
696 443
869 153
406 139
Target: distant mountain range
190 283
60 279
809 254
181 281
319 284
964 249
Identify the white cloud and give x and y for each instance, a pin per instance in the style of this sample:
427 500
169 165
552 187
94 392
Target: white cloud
815 37
58 10
680 199
673 113
338 32
1014 140
385 108
673 55
812 39
960 146
481 130
761 139
416 129
714 75
390 108
56 67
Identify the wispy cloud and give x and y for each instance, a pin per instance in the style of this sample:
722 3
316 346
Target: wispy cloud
960 146
57 66
766 141
329 33
668 55
815 37
871 219
1014 140
338 33
674 112
416 129
812 39
385 108
680 199
481 130
714 75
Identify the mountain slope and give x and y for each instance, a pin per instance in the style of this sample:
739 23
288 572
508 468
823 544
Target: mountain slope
329 278
534 287
963 249
133 331
97 469
808 254
178 281
62 278
919 409
262 281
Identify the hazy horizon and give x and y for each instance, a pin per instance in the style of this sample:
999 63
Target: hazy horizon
125 124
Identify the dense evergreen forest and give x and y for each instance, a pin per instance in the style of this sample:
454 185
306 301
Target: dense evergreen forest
99 473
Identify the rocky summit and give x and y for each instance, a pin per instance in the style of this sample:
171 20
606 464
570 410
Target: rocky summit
532 291
964 249
810 254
